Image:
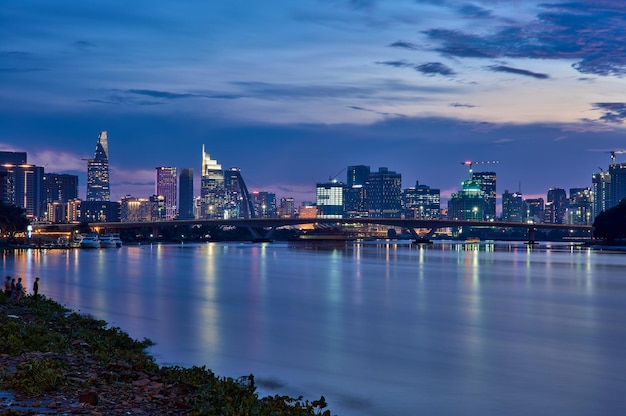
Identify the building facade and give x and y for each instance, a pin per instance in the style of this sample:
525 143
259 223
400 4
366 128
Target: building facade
469 203
238 203
212 191
556 206
487 182
601 185
185 194
422 202
21 184
166 186
512 206
329 199
383 194
98 171
580 206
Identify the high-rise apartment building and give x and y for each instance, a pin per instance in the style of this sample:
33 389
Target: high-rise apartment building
601 182
487 182
264 204
286 208
355 205
60 187
165 186
422 202
384 194
617 186
212 189
580 206
512 207
185 193
98 171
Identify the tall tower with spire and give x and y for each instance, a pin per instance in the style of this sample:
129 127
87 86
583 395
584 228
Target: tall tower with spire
212 191
98 171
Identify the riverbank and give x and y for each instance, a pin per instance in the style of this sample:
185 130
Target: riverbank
55 361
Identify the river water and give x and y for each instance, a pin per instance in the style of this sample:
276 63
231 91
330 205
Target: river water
377 328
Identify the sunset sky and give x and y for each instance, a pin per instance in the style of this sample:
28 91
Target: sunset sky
292 92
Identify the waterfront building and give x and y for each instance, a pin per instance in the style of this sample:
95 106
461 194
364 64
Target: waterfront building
98 171
534 208
383 191
21 184
556 207
512 206
134 209
185 194
264 204
601 182
212 192
329 199
422 202
99 211
580 206
617 186
158 207
60 187
469 203
487 182
286 208
238 203
165 186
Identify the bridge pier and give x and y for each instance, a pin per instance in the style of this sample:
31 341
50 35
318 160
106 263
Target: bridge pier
531 235
426 239
258 238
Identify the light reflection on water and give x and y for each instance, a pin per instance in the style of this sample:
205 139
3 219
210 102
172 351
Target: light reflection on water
378 328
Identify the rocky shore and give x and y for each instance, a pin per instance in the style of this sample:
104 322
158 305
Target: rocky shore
54 361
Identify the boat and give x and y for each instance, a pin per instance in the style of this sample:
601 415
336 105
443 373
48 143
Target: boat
89 241
110 241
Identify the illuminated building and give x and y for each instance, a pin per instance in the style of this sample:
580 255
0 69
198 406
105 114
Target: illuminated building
556 206
60 187
601 182
355 204
422 202
185 194
212 192
165 186
469 203
98 171
21 184
580 206
264 204
286 208
329 199
383 192
512 207
487 182
99 211
142 209
617 185
238 203
534 208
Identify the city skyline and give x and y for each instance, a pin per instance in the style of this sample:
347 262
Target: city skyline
293 93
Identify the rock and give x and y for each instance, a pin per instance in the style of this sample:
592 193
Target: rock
89 398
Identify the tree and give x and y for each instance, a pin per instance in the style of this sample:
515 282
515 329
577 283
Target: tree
12 219
611 224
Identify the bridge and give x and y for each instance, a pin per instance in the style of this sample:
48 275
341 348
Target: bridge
262 229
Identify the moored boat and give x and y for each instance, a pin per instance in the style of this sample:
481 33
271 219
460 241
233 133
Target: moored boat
89 241
110 241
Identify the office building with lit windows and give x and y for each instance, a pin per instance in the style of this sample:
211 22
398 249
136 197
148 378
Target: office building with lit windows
601 185
21 184
264 204
383 191
329 199
487 182
534 210
512 206
422 202
166 186
617 186
98 171
580 206
556 206
238 203
212 191
469 203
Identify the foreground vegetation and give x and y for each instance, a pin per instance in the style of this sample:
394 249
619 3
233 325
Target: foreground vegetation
54 357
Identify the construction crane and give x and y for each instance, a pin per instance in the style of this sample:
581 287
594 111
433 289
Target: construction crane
613 153
471 163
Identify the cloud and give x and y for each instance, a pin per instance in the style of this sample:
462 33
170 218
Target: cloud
470 10
591 32
517 71
405 45
434 68
163 94
382 113
396 64
460 105
57 161
84 45
612 112
19 70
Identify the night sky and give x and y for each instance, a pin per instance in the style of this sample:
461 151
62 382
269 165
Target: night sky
292 92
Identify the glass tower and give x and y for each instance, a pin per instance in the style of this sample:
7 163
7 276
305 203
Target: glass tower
165 186
98 171
212 191
185 193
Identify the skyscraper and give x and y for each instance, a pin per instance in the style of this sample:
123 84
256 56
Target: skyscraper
487 182
601 192
469 203
185 192
60 187
617 186
384 194
165 186
355 204
212 190
422 202
21 184
557 198
329 199
98 171
238 202
512 206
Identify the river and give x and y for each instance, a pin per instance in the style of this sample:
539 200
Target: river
377 328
